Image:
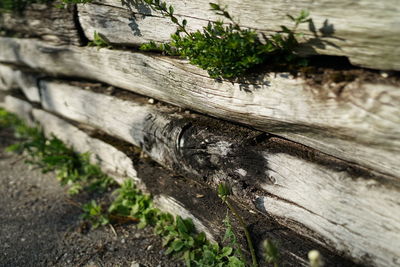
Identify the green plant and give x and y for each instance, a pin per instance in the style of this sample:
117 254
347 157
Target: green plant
179 235
130 202
18 5
227 51
231 238
271 253
8 120
224 192
95 214
99 41
72 169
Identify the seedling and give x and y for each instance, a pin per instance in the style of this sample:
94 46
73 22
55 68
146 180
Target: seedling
224 191
100 41
231 238
94 213
130 202
271 252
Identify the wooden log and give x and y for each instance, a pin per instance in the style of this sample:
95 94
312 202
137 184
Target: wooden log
365 31
46 21
14 79
181 196
110 159
336 204
7 78
359 123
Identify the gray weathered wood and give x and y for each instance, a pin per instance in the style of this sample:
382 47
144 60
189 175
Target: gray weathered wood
360 124
110 159
368 32
340 205
106 156
7 78
12 79
46 21
181 196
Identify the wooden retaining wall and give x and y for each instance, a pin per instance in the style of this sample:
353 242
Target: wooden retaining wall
315 153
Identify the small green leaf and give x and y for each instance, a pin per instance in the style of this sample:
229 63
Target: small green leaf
174 20
177 245
214 6
169 250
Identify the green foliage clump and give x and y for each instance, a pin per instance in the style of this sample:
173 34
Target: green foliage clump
18 5
100 41
72 169
227 51
179 235
130 202
8 120
93 213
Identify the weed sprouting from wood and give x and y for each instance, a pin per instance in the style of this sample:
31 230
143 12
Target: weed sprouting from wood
227 50
224 192
100 41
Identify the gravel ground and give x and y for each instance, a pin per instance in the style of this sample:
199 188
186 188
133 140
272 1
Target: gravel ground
40 225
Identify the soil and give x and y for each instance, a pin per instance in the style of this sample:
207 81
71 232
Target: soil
41 225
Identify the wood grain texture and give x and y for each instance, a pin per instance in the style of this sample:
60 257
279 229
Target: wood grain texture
365 31
46 21
361 124
7 78
14 79
106 156
111 160
180 196
336 204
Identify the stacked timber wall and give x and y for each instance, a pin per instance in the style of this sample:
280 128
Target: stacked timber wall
313 158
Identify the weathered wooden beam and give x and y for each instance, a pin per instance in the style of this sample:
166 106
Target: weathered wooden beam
7 78
340 205
110 159
181 196
12 79
359 123
367 32
46 21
